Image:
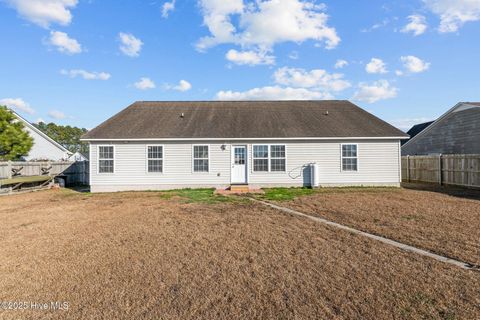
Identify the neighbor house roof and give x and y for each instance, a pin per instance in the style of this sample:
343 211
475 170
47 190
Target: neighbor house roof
242 119
416 129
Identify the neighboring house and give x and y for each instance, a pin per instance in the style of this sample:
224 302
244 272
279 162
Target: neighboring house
166 145
44 147
455 132
416 129
77 156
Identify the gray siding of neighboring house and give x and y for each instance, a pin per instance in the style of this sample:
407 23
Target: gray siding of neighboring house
43 149
378 165
457 133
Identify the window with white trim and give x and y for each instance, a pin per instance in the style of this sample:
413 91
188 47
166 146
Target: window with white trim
105 159
269 158
155 158
277 158
349 157
260 158
200 159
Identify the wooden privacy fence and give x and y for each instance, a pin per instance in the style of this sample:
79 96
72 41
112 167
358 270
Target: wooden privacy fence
74 172
450 169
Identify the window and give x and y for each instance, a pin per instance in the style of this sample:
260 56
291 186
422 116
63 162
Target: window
239 155
105 159
260 158
349 157
200 158
269 158
277 158
155 158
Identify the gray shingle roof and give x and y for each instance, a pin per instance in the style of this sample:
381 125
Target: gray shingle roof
242 119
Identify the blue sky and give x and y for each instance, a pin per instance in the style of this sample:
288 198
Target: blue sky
79 62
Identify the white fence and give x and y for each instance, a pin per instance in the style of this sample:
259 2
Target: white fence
451 169
73 172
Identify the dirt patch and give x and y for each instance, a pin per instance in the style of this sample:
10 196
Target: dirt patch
439 220
140 256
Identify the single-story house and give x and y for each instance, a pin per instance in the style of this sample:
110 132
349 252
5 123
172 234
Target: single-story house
168 145
455 132
44 147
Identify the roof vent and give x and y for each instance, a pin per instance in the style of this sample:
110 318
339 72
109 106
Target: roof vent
182 115
326 113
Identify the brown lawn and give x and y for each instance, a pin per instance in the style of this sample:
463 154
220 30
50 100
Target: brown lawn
151 256
442 220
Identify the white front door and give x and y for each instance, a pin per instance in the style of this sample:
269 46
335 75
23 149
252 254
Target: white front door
239 164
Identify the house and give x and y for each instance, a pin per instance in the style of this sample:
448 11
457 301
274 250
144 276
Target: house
44 147
416 129
168 145
455 132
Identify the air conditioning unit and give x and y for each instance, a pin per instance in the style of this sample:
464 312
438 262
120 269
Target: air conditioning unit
314 175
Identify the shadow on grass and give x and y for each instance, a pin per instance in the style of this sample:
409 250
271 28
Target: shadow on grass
453 191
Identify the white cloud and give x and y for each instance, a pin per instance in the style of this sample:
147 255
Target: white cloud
341 64
399 72
18 104
417 25
55 114
294 55
406 124
249 57
182 86
64 43
45 12
130 45
414 64
86 74
454 13
144 84
262 24
167 7
378 90
376 66
316 78
273 93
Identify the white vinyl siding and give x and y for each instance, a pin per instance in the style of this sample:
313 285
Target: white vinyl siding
378 165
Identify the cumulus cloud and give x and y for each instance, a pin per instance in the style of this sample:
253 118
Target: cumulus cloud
273 93
130 45
55 114
262 24
414 64
341 64
417 25
183 85
86 74
167 8
316 78
64 43
45 12
251 57
144 84
378 90
17 104
454 13
293 84
376 66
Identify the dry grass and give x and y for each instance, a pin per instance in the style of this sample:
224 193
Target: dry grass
443 220
141 256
